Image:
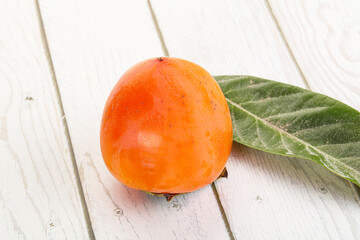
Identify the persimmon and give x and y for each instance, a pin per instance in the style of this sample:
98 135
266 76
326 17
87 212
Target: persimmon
166 127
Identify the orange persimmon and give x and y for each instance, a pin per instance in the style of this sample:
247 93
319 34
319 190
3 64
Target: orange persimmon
166 127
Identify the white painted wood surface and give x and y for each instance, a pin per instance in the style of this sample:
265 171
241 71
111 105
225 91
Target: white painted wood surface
92 43
266 196
39 198
326 45
325 41
329 50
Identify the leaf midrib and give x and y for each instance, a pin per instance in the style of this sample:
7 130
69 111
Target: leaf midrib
293 137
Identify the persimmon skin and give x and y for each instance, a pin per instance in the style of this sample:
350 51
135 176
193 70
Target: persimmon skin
166 127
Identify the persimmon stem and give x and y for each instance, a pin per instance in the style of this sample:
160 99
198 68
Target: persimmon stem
223 174
168 196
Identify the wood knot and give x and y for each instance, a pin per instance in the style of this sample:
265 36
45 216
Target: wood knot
118 212
175 205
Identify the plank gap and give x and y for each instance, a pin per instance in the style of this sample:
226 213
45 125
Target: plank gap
223 214
45 44
158 31
354 187
286 43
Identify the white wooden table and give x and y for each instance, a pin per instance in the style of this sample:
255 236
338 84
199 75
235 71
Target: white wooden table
58 62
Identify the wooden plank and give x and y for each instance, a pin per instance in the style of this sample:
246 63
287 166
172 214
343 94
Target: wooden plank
39 198
324 37
266 196
329 51
92 43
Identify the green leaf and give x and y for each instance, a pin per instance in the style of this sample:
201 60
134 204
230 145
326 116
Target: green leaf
287 120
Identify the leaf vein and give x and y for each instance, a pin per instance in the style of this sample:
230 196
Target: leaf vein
285 145
300 111
321 126
323 156
230 79
258 133
272 98
336 144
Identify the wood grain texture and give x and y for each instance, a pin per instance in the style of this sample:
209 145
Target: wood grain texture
326 44
92 43
324 37
39 198
266 196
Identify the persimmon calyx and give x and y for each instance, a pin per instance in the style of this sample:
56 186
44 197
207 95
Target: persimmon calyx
223 174
170 196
